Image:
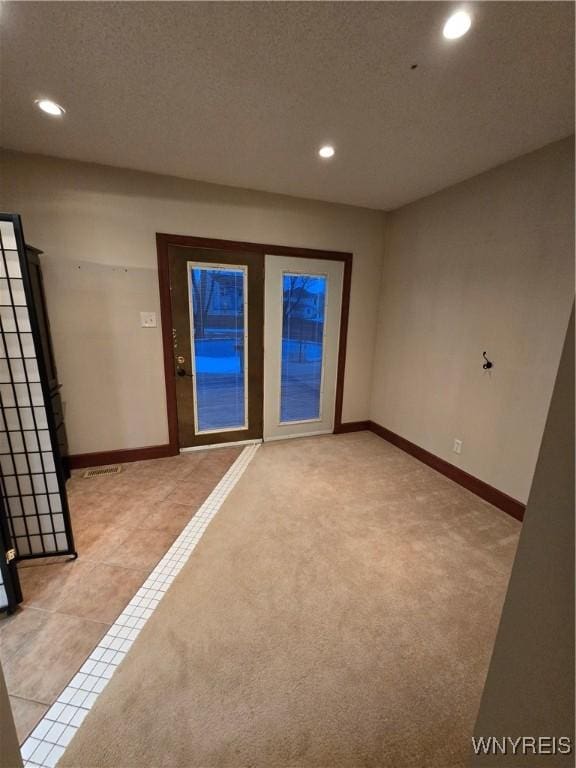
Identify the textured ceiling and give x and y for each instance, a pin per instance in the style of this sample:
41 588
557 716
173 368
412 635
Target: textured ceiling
244 93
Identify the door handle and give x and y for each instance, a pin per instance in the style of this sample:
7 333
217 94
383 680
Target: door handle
179 370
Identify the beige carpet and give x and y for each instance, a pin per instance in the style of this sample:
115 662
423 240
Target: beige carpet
339 611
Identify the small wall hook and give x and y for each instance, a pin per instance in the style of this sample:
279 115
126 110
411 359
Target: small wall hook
487 365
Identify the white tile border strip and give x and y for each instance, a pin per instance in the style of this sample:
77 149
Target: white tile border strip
47 742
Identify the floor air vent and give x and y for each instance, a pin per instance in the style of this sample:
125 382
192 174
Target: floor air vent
101 471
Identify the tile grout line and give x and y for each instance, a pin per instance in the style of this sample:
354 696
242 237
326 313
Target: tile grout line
49 739
63 613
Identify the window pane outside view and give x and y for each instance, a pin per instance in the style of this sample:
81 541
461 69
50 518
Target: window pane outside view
219 355
304 301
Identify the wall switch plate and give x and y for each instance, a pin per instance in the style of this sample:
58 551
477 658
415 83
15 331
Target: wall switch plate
457 446
148 319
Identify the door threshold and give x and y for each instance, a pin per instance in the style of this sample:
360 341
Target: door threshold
220 445
298 434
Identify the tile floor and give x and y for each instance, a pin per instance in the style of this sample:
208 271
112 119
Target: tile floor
123 525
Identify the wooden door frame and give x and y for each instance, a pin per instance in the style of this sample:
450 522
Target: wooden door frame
164 241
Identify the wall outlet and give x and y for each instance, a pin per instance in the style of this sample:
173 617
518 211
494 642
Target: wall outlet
148 319
457 448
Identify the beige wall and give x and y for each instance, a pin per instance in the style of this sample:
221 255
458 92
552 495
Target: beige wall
9 750
484 265
530 684
97 228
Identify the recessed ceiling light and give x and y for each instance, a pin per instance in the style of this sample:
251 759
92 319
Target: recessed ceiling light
50 107
457 25
326 151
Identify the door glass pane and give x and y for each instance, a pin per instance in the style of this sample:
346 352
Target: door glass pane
304 301
218 296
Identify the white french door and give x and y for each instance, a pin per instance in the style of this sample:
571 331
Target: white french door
303 301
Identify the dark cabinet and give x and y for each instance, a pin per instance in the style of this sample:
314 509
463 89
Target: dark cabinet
46 353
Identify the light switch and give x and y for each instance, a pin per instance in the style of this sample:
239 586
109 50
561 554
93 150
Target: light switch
148 319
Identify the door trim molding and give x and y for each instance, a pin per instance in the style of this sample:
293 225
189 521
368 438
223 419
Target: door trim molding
499 499
163 241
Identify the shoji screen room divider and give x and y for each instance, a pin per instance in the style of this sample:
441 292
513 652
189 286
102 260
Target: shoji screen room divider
32 482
